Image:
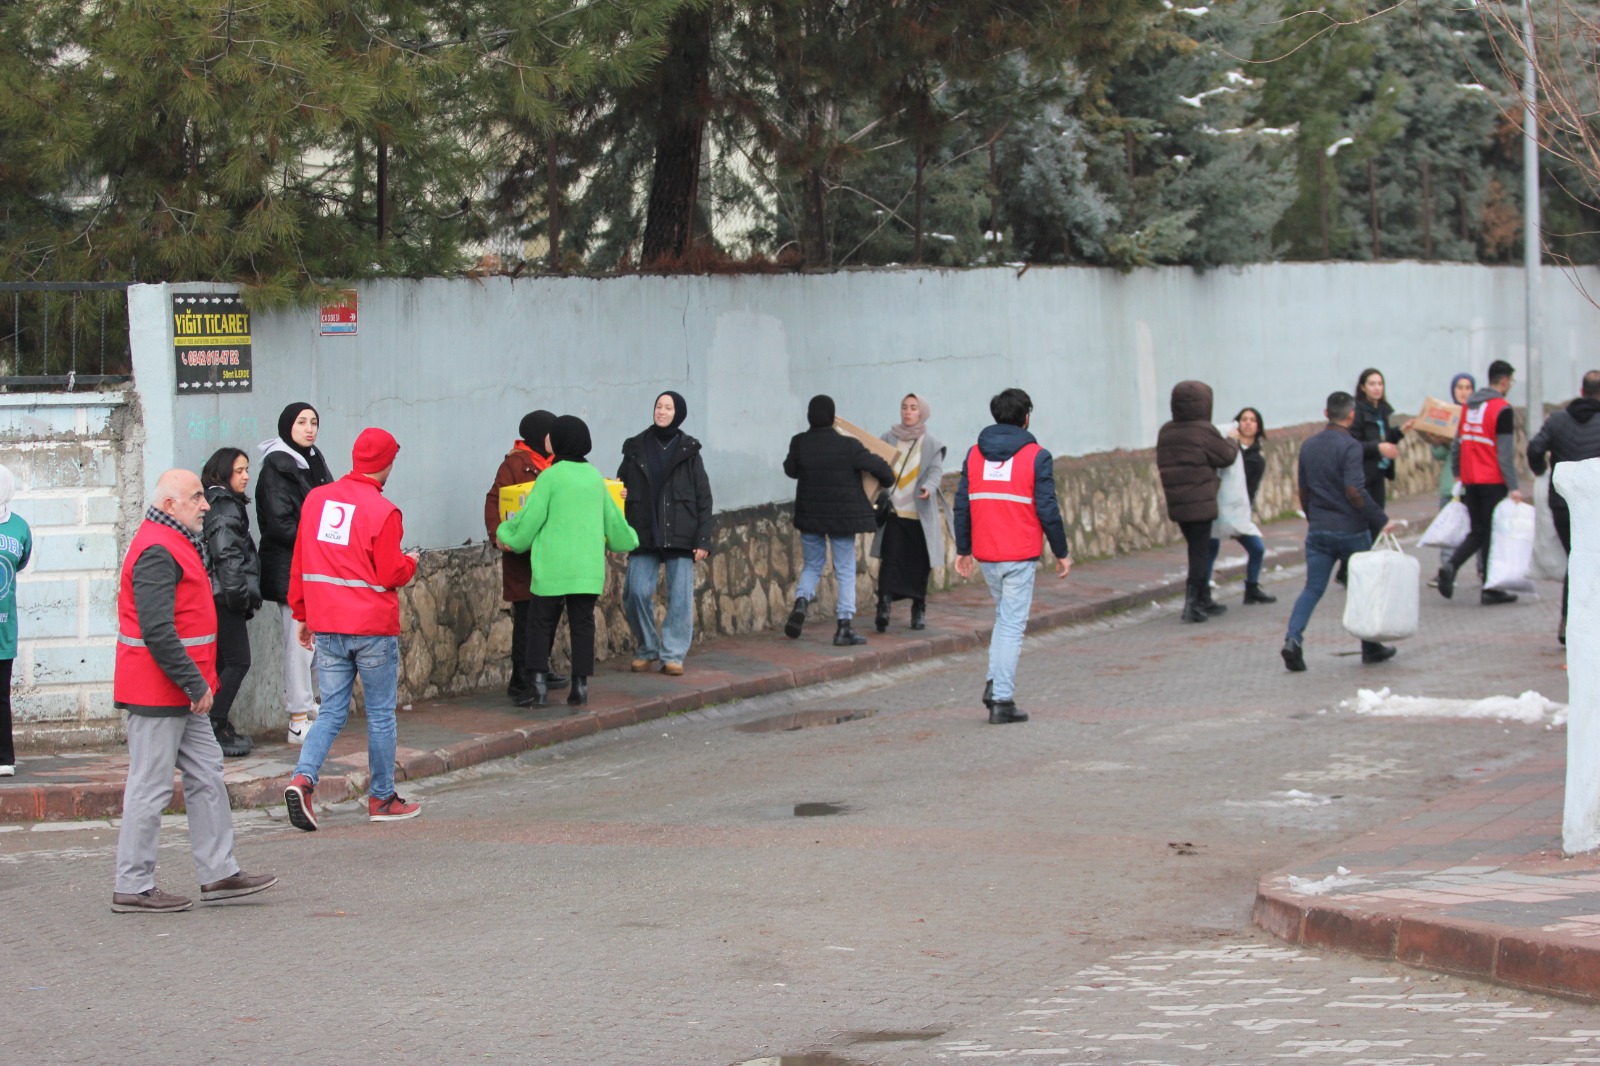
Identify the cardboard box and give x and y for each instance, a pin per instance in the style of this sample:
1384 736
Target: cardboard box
876 445
513 497
1439 420
614 487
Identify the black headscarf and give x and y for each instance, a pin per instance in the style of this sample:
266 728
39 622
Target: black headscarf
320 474
535 426
680 411
569 439
819 412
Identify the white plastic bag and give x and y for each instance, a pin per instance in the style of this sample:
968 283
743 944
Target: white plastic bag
1511 547
1384 592
1233 505
1549 558
1449 528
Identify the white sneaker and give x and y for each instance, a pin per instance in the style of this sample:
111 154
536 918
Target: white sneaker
298 731
8 771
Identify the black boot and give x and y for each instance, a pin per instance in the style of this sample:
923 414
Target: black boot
1192 611
919 614
517 687
538 690
880 621
797 618
1004 712
988 694
1210 606
846 637
233 745
579 696
555 680
1253 594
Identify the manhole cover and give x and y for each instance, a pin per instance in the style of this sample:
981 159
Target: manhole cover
788 723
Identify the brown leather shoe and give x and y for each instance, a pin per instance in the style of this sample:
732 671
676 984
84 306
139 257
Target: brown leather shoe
639 666
240 884
149 900
672 669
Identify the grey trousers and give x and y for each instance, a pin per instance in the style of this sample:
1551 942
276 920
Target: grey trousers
155 747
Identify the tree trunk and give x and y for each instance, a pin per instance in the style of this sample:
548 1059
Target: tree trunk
1427 209
383 189
1322 202
552 197
994 191
916 214
814 223
683 81
1372 207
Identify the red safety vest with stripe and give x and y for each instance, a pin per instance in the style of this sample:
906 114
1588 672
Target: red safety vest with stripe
139 681
1480 458
1005 523
339 524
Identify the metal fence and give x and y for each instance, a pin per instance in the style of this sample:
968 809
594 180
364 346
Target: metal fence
63 335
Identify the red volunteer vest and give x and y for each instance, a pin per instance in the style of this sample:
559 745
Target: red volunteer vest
139 681
1480 460
1005 525
339 524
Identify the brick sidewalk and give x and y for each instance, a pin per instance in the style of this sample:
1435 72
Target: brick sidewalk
443 735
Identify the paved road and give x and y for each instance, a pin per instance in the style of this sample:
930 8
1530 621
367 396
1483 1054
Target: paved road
1076 889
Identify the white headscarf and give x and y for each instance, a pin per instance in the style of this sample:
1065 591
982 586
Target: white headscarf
8 489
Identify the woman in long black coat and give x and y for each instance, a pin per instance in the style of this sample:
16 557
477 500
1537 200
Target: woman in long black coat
235 583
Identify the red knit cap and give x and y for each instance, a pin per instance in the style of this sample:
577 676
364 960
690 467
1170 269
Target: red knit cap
375 449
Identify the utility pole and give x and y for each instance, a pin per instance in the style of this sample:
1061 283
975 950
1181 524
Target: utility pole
1532 233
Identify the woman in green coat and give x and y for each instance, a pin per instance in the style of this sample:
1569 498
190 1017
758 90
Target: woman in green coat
566 526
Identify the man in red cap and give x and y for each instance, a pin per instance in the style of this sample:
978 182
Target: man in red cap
343 590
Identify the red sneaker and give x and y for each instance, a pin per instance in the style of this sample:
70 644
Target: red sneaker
393 809
302 815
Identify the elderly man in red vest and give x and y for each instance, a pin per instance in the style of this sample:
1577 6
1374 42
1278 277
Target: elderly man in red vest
1486 461
344 586
165 675
1005 508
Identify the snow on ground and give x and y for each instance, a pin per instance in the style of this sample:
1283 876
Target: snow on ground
1530 707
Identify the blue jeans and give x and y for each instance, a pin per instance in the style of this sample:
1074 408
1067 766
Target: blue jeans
668 642
815 548
1324 551
1254 548
339 659
1011 585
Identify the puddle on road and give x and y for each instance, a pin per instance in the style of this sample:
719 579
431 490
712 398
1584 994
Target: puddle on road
796 720
819 810
893 1036
822 1058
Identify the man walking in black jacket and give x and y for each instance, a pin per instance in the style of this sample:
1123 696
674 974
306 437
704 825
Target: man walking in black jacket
1570 435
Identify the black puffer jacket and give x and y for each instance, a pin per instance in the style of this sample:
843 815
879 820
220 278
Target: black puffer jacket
235 565
683 506
281 488
1570 435
1189 452
828 465
1369 433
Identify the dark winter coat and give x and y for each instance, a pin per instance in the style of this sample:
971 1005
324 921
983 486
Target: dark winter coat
1369 434
516 573
1189 452
828 465
679 509
1570 435
235 564
281 488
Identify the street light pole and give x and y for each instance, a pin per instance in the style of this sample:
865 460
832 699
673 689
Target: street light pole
1532 233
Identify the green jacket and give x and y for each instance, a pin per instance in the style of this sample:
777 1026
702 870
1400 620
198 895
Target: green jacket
566 526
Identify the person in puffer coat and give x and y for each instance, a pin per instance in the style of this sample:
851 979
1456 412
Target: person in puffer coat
1189 452
829 510
1569 435
235 584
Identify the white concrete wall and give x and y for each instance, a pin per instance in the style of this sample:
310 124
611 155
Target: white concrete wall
451 366
72 468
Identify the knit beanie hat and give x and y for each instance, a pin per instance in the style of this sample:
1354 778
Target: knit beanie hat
374 450
819 412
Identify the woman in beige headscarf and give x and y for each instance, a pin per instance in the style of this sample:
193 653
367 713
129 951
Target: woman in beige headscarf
911 540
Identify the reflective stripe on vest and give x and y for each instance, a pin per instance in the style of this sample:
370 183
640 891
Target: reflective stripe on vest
346 582
1007 496
187 642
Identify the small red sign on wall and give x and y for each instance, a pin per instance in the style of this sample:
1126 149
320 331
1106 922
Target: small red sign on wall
339 315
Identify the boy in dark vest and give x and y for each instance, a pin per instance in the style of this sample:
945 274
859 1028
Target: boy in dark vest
1005 507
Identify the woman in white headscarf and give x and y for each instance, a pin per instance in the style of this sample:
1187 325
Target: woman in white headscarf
16 544
910 540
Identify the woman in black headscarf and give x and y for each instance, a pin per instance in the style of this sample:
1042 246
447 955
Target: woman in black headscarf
669 507
291 466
